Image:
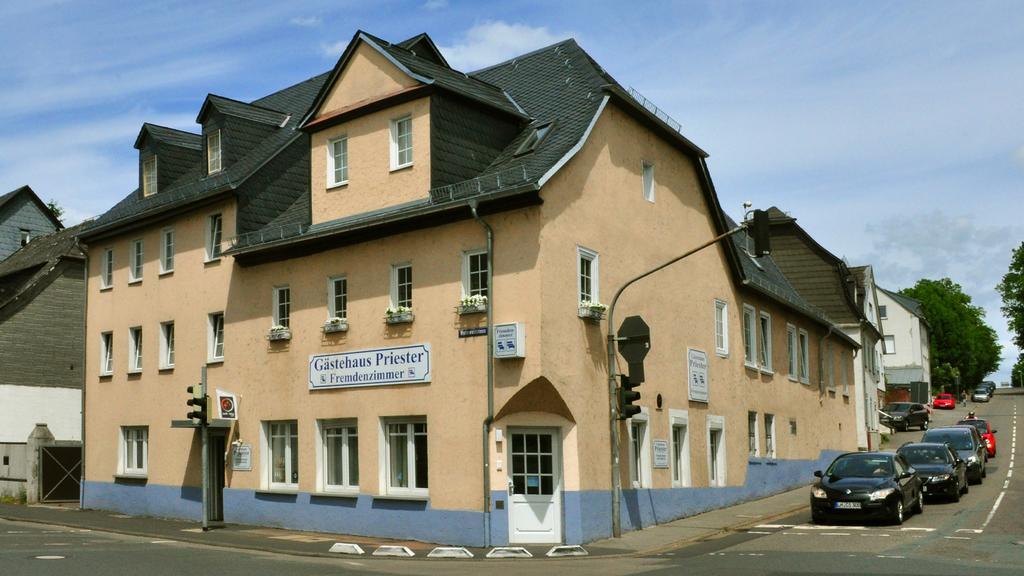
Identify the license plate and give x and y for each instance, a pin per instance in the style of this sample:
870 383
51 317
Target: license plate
848 505
924 488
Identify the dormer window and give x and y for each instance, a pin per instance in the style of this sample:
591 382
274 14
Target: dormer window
213 156
534 138
149 176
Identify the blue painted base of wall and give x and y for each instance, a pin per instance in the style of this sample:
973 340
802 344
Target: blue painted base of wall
586 514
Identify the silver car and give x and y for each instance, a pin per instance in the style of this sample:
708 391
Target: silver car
981 395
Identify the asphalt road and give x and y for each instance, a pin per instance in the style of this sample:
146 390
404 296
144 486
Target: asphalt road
982 534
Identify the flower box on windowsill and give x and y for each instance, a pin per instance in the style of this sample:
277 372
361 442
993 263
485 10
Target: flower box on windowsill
335 325
472 308
400 316
279 333
592 311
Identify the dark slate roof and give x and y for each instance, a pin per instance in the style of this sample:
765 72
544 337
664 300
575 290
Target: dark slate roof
294 101
5 198
422 46
30 264
241 110
170 136
911 304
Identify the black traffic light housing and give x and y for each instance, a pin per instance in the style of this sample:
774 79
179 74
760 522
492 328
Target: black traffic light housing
627 396
759 229
198 403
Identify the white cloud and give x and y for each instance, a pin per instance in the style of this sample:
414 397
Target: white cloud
435 4
334 50
306 21
495 41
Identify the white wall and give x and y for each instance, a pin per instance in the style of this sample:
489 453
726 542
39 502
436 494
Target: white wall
21 407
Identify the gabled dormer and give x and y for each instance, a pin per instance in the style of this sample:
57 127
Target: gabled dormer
231 129
394 121
165 154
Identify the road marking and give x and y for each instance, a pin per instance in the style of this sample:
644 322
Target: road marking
913 529
809 527
956 537
757 532
883 535
1006 484
774 526
994 508
1009 473
49 557
971 530
163 542
884 556
795 534
835 533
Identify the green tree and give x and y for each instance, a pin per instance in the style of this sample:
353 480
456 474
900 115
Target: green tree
959 336
1012 291
1017 374
56 209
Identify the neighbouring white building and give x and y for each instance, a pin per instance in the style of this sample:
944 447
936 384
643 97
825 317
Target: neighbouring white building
906 354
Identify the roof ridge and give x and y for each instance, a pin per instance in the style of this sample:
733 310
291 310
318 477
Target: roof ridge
210 95
525 55
285 89
162 127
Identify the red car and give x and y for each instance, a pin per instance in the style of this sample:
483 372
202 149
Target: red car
988 434
945 401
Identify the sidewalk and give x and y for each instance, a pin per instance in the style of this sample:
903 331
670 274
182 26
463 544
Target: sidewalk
649 541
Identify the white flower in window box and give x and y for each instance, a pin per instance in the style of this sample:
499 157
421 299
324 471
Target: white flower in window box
473 304
398 315
335 324
279 332
593 311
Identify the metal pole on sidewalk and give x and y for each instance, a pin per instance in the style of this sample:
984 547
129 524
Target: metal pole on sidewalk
206 459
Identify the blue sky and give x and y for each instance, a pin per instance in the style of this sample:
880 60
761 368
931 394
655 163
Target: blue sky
892 131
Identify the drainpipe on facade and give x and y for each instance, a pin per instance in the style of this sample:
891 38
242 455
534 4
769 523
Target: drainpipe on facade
85 331
821 360
490 373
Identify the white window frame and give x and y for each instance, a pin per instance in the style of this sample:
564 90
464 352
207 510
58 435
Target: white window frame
640 478
266 442
323 457
595 277
717 466
722 328
755 427
136 257
166 345
385 454
791 352
803 356
107 272
25 235
889 344
280 320
883 311
468 272
647 176
395 301
212 338
771 440
396 152
332 167
135 349
214 236
106 353
332 297
764 353
214 161
167 250
750 351
128 453
681 475
149 176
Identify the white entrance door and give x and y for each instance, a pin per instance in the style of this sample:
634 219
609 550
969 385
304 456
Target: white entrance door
535 487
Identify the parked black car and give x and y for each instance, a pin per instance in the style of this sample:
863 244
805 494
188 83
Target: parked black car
867 484
967 443
942 472
904 415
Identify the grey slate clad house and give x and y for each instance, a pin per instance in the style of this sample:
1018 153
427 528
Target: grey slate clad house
42 311
23 216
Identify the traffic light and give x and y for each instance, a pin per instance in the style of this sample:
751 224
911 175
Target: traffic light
198 403
627 396
759 229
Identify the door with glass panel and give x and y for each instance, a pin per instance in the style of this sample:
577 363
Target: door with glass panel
535 486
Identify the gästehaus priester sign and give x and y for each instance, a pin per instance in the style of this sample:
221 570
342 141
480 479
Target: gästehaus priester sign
377 367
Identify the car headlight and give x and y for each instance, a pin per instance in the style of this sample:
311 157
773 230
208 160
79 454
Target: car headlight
881 494
972 459
941 478
817 492
897 417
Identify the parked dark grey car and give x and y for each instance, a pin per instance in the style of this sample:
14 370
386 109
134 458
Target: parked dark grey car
905 415
967 444
942 472
867 485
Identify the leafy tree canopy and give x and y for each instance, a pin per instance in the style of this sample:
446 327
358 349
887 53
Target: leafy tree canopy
1012 291
959 336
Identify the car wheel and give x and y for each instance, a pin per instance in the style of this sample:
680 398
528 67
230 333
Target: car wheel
955 496
967 487
984 471
897 513
919 504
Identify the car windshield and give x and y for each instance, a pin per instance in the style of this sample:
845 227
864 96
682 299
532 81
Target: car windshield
861 466
897 407
981 390
944 396
981 425
925 455
956 440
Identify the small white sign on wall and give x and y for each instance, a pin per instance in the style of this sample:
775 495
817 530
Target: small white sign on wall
660 448
697 374
241 457
510 340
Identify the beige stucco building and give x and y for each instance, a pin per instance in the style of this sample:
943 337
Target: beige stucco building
323 253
